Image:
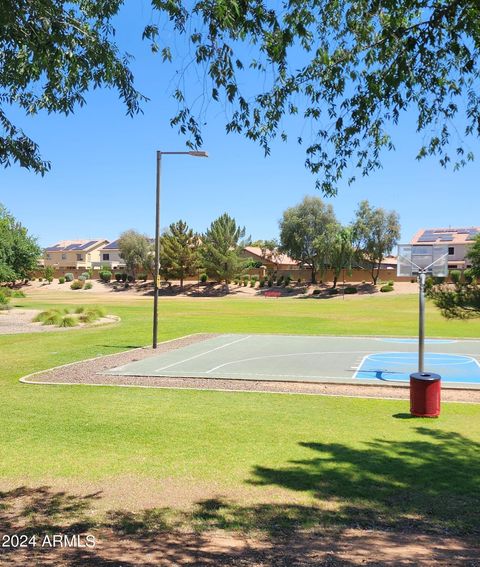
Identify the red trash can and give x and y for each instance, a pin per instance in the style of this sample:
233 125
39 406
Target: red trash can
425 394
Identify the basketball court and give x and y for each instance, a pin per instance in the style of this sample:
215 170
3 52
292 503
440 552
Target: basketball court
299 358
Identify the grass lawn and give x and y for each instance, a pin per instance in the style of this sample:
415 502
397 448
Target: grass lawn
236 460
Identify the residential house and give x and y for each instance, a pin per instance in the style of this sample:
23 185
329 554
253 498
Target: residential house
74 254
110 256
457 240
271 259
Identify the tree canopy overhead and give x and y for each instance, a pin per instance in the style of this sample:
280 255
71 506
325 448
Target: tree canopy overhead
349 67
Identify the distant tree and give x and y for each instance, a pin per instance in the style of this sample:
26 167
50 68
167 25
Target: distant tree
136 249
460 300
220 252
341 251
302 232
179 252
375 232
19 252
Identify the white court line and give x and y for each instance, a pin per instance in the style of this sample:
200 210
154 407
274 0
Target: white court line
280 355
202 353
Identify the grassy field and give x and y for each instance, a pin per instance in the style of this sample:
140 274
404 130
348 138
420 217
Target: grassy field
235 460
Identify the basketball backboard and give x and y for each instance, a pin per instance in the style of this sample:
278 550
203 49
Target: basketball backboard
422 258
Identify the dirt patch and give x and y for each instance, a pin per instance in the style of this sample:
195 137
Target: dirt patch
14 321
92 372
122 539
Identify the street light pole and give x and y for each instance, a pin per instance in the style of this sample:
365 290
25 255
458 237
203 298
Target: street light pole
157 252
157 236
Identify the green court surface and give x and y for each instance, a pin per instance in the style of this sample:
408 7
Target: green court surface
313 359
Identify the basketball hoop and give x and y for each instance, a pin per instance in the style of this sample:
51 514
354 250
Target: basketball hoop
419 260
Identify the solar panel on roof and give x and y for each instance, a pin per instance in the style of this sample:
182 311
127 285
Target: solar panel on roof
87 244
427 239
71 247
446 238
113 245
53 248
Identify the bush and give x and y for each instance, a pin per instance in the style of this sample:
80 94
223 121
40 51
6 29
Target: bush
261 282
468 277
68 321
4 301
455 276
50 317
270 283
40 279
48 273
61 280
18 294
82 278
86 275
386 288
204 278
333 291
287 281
88 285
69 277
124 277
299 281
118 277
279 280
350 289
390 283
130 279
142 277
105 276
77 284
316 292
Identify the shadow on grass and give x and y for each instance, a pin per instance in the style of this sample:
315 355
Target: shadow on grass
426 485
429 484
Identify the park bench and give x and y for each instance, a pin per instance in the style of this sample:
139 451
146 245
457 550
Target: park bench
272 293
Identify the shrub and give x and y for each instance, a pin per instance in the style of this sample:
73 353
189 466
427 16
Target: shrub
69 277
386 288
252 283
333 291
350 289
390 283
50 317
61 280
261 282
316 292
18 294
130 279
105 275
86 275
279 280
77 284
455 276
68 321
40 279
270 283
287 281
204 278
48 273
88 285
124 277
4 301
412 280
299 281
142 277
82 278
468 276
118 276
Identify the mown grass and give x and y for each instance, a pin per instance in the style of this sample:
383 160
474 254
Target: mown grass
303 460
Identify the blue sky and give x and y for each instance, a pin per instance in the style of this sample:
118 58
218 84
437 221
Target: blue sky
103 169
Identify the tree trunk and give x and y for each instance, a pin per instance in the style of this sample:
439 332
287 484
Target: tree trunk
181 282
314 275
335 279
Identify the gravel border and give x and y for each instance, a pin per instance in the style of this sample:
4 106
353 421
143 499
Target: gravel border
91 372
